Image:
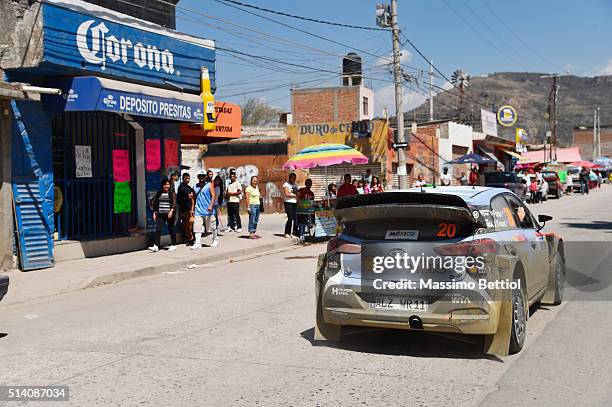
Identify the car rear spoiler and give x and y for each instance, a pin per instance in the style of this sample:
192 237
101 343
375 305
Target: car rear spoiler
409 205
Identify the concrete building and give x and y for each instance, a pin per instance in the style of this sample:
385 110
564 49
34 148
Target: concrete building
84 164
583 138
335 104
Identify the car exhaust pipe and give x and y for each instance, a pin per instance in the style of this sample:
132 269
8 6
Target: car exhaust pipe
415 322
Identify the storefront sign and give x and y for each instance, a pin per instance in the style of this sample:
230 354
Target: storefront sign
89 93
229 123
153 155
122 198
82 156
356 129
171 153
506 116
121 165
325 223
89 40
489 122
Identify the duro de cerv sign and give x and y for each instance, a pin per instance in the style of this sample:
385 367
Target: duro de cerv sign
78 37
360 129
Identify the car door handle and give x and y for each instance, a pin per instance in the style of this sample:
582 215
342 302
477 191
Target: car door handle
534 244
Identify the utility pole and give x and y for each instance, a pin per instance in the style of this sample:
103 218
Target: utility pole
399 110
553 98
594 133
431 114
598 135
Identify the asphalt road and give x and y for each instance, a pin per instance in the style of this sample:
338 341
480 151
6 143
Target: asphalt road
241 334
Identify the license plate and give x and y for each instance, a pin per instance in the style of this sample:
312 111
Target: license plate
399 304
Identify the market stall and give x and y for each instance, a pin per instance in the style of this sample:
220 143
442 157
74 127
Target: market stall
315 217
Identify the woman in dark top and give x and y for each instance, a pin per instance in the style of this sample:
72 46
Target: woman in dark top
164 207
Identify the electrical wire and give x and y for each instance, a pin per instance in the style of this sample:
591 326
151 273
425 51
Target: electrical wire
314 20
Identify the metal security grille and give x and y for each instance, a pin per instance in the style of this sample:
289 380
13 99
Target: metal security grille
87 208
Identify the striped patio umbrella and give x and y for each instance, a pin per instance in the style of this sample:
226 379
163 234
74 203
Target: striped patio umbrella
323 155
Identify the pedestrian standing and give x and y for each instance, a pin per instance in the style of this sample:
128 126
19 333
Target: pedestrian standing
253 198
185 201
290 191
419 183
376 186
164 204
204 210
445 179
360 190
219 193
348 188
584 181
234 193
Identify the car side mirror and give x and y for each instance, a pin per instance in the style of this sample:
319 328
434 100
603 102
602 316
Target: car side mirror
543 219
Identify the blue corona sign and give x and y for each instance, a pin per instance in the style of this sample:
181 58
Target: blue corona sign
80 41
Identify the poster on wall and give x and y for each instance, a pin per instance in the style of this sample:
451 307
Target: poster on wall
171 153
121 165
153 155
82 156
122 198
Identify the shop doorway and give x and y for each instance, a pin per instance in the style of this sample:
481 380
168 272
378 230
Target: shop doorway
83 144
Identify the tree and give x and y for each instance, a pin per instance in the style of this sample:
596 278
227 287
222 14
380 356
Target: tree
256 112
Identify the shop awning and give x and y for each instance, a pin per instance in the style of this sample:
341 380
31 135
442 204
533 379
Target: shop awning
512 153
487 153
90 93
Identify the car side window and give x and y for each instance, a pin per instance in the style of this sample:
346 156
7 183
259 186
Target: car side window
522 216
503 218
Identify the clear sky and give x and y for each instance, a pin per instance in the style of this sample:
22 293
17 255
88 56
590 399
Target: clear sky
535 36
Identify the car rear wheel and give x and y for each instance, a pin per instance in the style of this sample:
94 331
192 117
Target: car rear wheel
519 320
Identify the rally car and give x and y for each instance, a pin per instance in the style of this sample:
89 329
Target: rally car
360 283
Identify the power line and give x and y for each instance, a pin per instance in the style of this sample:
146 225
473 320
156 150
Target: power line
314 20
515 34
310 33
507 43
477 31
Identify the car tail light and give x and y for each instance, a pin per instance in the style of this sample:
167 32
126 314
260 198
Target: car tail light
338 245
477 247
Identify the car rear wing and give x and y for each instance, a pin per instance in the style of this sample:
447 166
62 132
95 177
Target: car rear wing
407 205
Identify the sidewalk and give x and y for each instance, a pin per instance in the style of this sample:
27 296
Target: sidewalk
84 273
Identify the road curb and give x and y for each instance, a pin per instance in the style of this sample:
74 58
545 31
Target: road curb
113 278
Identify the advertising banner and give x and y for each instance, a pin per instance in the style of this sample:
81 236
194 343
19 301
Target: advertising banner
489 122
121 165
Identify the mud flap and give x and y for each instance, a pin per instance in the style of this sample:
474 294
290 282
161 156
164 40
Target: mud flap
322 330
551 286
499 343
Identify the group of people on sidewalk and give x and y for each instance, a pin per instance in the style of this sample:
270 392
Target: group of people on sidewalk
197 208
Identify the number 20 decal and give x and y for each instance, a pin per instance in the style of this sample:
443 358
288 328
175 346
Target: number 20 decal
447 230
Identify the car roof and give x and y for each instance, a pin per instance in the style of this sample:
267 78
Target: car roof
471 195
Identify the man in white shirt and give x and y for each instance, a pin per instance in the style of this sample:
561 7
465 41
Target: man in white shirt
290 191
234 193
445 179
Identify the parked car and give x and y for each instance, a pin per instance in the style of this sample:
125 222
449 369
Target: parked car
555 187
575 173
508 180
4 284
455 222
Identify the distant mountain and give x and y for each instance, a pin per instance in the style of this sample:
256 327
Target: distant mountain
528 93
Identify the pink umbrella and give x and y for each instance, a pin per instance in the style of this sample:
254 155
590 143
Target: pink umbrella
586 164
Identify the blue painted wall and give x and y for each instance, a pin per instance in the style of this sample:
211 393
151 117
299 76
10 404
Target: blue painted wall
33 152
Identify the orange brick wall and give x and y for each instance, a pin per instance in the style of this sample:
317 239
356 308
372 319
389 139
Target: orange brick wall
584 140
420 158
325 104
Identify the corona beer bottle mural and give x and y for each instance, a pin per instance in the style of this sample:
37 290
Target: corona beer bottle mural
209 102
